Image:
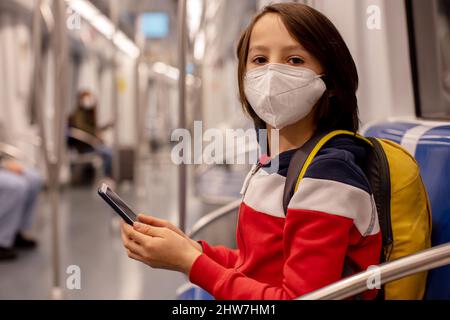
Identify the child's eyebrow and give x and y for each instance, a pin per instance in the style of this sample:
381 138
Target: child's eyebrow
296 47
258 48
293 48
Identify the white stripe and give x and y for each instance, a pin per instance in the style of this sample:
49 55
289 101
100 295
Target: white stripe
407 119
412 136
339 199
418 121
265 193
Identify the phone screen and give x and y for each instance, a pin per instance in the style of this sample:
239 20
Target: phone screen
117 203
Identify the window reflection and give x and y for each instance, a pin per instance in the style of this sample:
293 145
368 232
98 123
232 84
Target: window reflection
444 42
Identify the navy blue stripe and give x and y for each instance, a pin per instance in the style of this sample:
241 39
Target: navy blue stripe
338 170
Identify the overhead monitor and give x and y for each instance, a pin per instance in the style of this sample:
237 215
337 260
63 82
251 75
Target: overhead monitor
154 25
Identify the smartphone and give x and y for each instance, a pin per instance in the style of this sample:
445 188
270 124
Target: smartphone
119 206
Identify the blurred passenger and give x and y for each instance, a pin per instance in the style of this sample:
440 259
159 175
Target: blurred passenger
297 75
19 189
85 118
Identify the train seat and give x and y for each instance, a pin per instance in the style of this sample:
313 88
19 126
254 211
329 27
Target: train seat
430 145
190 291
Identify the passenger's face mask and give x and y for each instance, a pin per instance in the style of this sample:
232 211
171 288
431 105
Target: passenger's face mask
87 103
281 95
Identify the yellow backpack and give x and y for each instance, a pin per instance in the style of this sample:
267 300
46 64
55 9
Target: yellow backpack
402 203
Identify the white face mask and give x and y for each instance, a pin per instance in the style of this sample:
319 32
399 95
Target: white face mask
87 103
281 95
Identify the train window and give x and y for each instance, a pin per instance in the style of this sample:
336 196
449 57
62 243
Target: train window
429 27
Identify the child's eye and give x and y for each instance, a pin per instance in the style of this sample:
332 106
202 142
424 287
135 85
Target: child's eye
295 60
260 60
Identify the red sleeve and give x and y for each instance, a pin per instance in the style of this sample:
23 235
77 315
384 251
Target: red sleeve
315 246
224 256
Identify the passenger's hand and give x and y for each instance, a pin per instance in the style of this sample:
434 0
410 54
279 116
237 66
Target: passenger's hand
152 221
14 167
100 136
159 247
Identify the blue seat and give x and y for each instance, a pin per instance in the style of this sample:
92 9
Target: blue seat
189 291
433 155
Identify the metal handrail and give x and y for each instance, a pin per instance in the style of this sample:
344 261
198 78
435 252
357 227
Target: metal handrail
387 272
213 216
182 169
84 137
53 15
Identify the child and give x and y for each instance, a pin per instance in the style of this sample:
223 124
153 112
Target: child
297 75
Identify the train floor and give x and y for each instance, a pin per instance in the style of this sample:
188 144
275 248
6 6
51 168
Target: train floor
90 239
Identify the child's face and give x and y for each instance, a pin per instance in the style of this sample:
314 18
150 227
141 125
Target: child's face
270 42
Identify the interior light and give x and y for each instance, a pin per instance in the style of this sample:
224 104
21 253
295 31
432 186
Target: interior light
104 25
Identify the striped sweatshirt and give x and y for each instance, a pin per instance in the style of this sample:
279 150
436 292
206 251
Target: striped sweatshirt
331 221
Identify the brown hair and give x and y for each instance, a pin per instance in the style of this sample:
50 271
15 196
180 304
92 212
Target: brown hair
338 107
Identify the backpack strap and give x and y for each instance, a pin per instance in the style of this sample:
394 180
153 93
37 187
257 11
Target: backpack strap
296 164
379 176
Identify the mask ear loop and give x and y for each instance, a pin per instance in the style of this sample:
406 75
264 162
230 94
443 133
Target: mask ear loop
321 76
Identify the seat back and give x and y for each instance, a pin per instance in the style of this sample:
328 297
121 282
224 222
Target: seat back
431 148
190 291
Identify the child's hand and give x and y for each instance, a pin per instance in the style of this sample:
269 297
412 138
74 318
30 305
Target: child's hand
159 247
152 221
